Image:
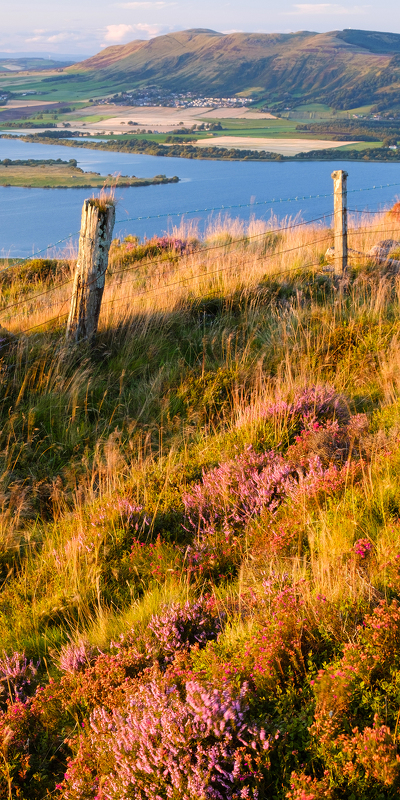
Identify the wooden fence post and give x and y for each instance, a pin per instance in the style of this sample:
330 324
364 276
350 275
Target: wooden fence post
98 218
340 220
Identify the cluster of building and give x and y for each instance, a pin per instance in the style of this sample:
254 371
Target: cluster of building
157 97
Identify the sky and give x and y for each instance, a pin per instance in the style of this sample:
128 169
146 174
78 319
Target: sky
87 26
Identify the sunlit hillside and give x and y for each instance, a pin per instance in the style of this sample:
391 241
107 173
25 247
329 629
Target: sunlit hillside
200 521
344 69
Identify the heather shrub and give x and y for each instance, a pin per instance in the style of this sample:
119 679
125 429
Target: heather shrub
18 677
234 492
331 443
130 250
271 651
345 690
180 627
76 656
103 683
211 562
151 563
193 747
365 762
358 688
369 757
238 491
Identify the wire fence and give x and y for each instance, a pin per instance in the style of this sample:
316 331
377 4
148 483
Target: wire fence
180 260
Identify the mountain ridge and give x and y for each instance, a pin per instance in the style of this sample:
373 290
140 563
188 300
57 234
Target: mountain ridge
363 66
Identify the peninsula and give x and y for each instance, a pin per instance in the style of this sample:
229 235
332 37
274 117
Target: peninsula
58 174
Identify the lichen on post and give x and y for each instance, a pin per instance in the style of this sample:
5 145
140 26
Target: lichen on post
98 218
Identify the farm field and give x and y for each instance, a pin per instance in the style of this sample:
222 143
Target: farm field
287 147
200 538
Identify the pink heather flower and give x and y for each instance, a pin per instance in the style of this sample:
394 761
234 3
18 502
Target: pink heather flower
76 657
180 627
362 547
163 744
17 676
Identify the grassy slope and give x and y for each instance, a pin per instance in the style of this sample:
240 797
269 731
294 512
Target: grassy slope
175 384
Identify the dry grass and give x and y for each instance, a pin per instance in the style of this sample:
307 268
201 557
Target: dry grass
248 317
236 257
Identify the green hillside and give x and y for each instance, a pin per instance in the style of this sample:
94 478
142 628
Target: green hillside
343 69
200 521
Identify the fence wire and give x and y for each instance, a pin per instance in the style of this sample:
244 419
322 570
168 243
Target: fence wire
201 252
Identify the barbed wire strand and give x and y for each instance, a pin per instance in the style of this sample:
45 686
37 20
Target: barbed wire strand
160 261
264 256
203 210
168 286
256 203
180 282
201 253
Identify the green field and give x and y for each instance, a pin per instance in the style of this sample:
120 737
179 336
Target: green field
65 175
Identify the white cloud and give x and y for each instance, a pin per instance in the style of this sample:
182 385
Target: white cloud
152 30
52 37
121 34
117 33
145 4
326 8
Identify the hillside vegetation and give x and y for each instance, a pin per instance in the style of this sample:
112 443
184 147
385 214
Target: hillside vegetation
343 69
200 522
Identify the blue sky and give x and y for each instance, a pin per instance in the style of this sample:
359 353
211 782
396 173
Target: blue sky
86 26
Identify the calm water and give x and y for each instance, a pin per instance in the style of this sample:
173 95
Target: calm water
31 219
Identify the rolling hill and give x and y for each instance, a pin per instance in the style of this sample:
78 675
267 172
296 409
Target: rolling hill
343 69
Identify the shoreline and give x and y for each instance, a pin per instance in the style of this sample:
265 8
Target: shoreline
214 153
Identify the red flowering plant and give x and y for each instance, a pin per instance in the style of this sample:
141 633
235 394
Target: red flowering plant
33 750
274 650
350 691
304 787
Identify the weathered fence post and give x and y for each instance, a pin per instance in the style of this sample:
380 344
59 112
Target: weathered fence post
98 218
340 220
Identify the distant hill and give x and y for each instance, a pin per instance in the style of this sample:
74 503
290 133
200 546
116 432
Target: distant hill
32 63
343 69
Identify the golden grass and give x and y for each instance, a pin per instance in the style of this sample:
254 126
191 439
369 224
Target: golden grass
240 257
296 344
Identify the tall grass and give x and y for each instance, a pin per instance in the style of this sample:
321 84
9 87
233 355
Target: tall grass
198 361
